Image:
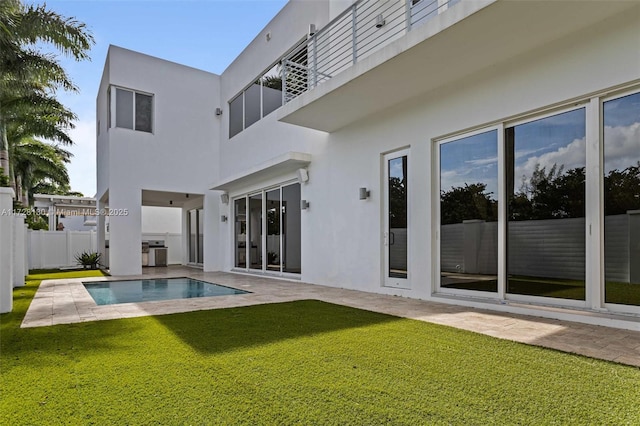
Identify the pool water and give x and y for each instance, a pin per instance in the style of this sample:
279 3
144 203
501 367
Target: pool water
131 291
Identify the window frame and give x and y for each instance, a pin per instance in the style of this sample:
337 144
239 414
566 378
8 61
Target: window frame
113 111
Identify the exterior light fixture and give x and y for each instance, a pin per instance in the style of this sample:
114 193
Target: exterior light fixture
304 204
303 175
170 202
364 193
312 29
223 218
218 111
224 198
380 21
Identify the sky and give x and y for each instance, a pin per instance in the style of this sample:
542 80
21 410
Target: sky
205 34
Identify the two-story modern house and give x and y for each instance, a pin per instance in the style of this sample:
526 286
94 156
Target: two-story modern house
477 152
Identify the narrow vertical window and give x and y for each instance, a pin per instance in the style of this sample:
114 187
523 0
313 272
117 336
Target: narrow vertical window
469 213
236 115
124 109
240 211
144 112
622 200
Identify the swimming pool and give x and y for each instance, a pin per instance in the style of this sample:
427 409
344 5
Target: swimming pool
131 291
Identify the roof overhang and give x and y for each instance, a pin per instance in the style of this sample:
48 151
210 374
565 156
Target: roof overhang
278 166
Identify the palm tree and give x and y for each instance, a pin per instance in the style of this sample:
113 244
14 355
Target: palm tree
29 77
39 165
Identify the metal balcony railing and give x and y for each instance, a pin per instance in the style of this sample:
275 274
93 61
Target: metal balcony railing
360 30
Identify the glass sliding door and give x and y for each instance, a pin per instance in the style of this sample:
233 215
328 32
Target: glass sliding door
193 235
273 230
240 231
291 229
622 200
469 213
396 193
268 230
255 232
545 172
200 255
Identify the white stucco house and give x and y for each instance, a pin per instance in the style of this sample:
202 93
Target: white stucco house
475 152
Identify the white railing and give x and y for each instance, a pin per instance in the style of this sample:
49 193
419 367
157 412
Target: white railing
360 30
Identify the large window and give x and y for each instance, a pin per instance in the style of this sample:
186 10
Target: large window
268 232
134 110
469 213
256 102
622 199
545 161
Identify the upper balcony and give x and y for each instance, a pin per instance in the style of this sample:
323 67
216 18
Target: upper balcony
377 54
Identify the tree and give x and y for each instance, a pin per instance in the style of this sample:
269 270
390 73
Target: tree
29 77
622 190
466 203
39 165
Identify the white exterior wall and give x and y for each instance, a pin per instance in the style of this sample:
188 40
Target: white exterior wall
267 138
347 237
177 157
342 242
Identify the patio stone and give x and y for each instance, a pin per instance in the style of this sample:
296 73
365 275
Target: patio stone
67 301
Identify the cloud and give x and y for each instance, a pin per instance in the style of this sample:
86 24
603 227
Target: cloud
621 146
570 156
482 161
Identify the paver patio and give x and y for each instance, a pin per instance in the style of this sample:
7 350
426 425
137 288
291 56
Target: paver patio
67 301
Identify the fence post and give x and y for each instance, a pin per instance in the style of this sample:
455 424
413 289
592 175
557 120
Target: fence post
472 234
40 248
6 249
69 254
18 251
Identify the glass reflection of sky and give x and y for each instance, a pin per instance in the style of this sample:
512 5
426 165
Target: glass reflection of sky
395 168
621 133
470 160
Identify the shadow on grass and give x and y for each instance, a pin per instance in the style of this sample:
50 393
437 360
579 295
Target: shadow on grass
224 330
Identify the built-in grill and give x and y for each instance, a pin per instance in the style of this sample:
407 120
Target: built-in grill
156 253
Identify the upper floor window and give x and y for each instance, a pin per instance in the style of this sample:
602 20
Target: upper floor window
134 110
256 101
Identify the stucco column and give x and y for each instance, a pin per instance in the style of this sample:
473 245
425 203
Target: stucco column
6 249
125 231
100 232
214 229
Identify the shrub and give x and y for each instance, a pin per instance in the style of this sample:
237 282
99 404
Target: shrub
88 259
4 179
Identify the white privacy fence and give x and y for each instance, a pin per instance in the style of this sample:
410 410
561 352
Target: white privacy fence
57 249
550 248
13 249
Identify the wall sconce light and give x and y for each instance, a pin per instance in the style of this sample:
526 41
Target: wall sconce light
364 193
224 198
380 21
303 175
304 204
170 202
218 111
267 36
223 218
312 29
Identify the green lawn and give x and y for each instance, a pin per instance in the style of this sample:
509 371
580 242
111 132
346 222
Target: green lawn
303 362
